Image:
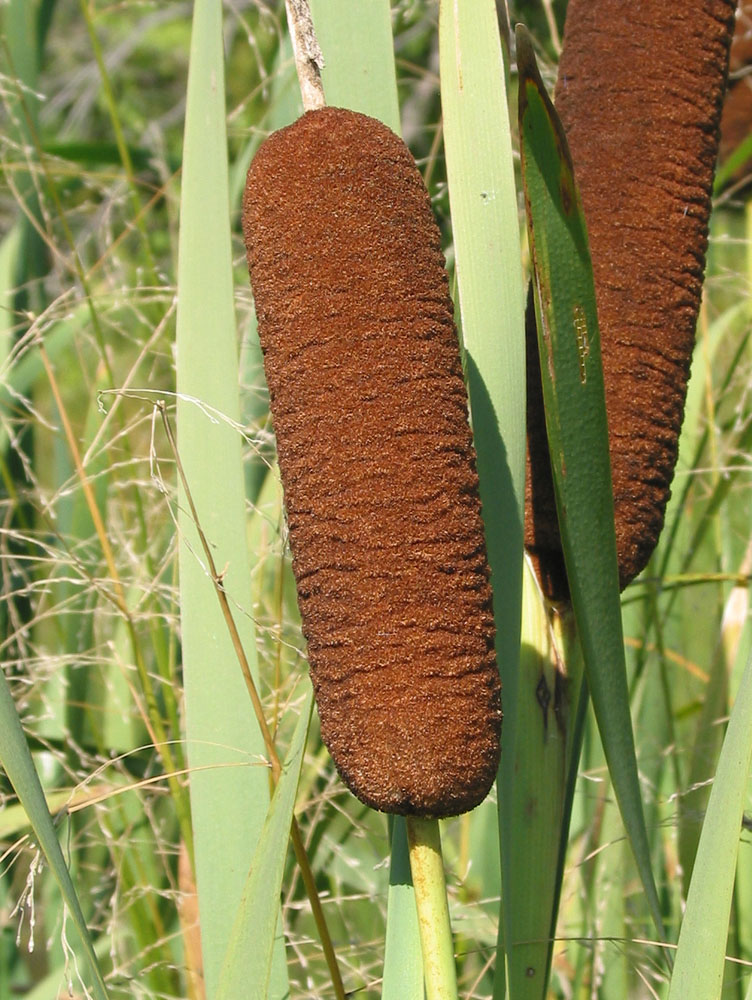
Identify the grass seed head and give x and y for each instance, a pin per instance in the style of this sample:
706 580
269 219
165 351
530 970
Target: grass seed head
377 463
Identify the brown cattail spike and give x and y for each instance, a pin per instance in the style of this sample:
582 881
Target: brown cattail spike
639 93
376 457
736 120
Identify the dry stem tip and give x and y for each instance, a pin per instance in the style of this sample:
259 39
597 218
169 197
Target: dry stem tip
309 59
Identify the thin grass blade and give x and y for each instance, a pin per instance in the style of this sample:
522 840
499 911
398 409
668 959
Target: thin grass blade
10 247
700 954
19 767
358 73
578 435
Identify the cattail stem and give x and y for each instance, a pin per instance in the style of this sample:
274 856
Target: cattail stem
429 882
309 59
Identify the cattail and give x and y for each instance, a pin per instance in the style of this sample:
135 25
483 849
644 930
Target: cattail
376 457
639 92
736 119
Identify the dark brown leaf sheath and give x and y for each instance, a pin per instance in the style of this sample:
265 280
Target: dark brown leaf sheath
639 92
377 463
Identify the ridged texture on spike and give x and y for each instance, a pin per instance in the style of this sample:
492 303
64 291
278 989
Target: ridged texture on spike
377 463
639 92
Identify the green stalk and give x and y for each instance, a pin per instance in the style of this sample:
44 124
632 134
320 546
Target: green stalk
403 961
429 882
550 715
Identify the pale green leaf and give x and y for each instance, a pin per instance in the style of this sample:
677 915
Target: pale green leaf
485 224
698 968
403 960
358 73
577 429
229 781
250 951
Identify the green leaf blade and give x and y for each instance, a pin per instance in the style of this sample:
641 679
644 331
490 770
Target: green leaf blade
19 767
403 958
485 224
250 951
577 430
228 777
358 73
698 969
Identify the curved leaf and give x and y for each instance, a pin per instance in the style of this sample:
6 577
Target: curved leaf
698 969
572 374
250 951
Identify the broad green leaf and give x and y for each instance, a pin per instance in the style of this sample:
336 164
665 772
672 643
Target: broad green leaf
229 782
485 224
250 950
19 767
549 721
577 430
358 73
698 968
403 960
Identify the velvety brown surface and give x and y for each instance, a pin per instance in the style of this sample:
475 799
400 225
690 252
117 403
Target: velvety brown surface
377 463
639 92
